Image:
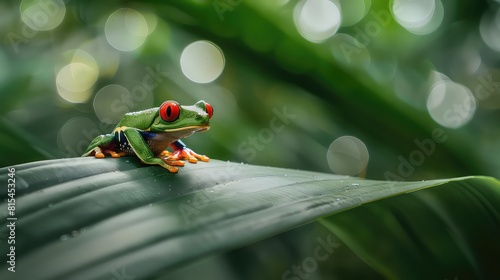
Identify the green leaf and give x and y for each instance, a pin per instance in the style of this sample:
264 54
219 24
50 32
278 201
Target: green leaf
84 218
436 234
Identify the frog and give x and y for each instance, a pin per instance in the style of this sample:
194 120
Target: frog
148 133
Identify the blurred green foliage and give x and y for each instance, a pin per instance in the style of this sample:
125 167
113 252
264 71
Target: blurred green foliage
377 92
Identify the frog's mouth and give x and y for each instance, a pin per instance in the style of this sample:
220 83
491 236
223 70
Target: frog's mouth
182 132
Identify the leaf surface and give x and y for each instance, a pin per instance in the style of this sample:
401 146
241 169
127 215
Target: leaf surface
84 218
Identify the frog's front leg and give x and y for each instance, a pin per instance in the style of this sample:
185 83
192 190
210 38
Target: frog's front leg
181 151
142 150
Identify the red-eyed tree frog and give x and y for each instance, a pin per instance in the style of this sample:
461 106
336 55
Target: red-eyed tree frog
148 133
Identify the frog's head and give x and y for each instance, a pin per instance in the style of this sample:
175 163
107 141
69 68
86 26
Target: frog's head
182 121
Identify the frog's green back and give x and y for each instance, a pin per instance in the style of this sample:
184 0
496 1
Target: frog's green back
141 119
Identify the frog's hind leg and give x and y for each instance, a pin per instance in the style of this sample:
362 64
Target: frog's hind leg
102 145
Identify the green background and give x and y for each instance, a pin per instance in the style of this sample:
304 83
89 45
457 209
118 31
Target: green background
268 65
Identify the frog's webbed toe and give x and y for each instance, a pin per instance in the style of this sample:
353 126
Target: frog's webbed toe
171 161
99 155
115 154
188 154
171 169
195 155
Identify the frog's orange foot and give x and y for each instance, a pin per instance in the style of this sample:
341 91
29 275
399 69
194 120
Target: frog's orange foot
166 156
172 169
101 153
171 161
115 154
188 154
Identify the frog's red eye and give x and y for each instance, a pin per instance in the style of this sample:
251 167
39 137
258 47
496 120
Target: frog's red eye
209 109
169 111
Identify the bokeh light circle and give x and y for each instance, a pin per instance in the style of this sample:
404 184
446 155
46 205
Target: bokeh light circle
451 104
42 15
106 57
202 61
489 28
410 13
74 81
75 135
419 17
126 29
112 102
151 21
317 20
347 155
76 56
